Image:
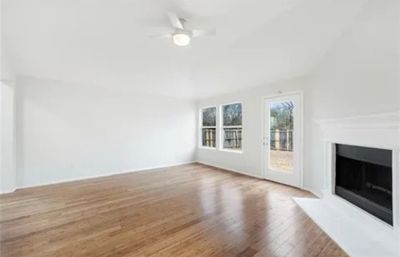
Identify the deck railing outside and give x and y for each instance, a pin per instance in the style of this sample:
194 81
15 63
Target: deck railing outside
209 138
281 139
233 138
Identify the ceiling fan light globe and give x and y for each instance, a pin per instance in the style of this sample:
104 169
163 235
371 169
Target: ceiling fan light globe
181 39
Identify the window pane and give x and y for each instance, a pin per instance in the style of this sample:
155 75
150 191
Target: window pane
209 116
232 114
281 136
208 137
233 138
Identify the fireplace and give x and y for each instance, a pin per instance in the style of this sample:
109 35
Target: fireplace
360 206
363 176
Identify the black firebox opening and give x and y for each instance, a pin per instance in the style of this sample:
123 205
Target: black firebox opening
364 178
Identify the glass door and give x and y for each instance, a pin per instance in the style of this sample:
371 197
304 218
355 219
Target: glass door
282 138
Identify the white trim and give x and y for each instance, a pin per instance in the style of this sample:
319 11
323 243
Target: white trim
282 94
396 189
300 94
8 191
221 128
230 169
10 176
231 102
231 151
108 174
207 106
301 148
312 191
200 128
357 130
207 148
387 120
238 126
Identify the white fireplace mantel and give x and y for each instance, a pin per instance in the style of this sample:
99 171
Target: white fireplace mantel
378 130
359 233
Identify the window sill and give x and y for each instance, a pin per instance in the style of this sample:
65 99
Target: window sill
207 148
231 151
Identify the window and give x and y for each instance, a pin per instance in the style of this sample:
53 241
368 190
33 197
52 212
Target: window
208 127
232 126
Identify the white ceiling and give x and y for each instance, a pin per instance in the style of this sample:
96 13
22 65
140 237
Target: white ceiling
106 43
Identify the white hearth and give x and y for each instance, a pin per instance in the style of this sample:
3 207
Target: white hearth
359 233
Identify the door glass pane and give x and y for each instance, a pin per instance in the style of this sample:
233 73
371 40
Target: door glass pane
281 136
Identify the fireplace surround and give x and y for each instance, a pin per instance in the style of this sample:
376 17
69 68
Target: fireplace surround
371 135
360 231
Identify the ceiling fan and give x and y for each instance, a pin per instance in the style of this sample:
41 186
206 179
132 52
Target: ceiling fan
182 36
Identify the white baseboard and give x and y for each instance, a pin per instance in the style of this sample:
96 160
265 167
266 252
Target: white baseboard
8 191
101 175
312 191
230 169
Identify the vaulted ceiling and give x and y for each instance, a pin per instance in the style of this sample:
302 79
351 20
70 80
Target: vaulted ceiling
106 43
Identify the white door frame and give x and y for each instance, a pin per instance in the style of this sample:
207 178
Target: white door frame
299 94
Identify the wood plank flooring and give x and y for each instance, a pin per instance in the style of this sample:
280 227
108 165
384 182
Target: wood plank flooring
189 210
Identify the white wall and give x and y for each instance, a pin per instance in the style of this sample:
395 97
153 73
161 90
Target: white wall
7 137
7 121
358 76
68 131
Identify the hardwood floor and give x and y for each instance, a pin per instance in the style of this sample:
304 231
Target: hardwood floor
190 210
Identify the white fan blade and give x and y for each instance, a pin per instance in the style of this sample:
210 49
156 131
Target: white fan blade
203 33
175 21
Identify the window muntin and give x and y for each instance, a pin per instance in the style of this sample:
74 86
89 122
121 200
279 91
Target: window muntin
232 127
209 127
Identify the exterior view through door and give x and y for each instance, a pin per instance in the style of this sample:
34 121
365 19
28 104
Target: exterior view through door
282 139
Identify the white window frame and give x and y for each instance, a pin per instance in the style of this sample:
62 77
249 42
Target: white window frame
205 127
221 129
